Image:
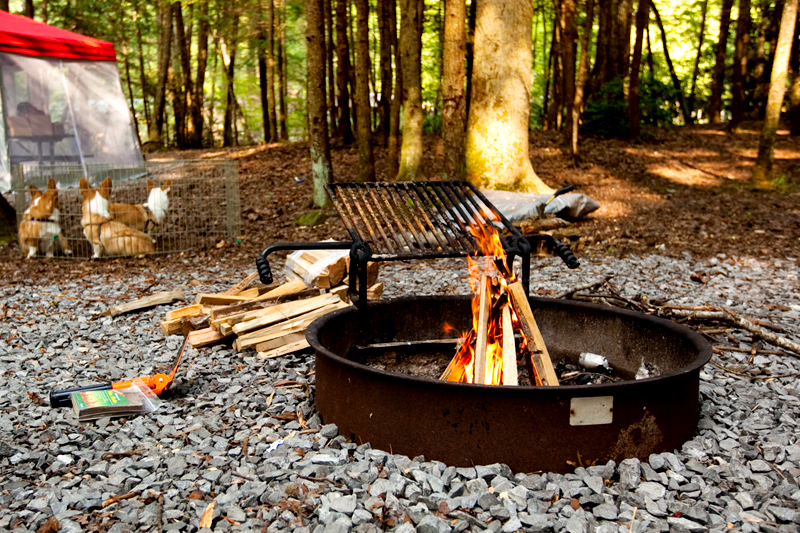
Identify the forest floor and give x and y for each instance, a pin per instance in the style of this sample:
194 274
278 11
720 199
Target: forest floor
684 190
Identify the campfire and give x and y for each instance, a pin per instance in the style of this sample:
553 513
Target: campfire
503 328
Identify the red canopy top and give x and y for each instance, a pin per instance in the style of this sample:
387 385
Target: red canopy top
21 35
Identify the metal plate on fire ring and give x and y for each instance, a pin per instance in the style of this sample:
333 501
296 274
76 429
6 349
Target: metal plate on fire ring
591 411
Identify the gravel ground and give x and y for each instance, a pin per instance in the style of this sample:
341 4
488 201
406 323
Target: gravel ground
225 432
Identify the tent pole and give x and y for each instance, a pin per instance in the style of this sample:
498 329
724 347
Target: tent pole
72 117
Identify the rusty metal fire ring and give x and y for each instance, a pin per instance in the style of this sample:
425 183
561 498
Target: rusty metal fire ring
527 428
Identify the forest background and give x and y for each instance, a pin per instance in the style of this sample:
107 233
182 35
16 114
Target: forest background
205 73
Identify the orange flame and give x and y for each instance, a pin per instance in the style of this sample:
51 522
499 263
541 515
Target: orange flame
491 263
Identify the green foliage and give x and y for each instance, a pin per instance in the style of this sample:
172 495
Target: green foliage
432 124
606 114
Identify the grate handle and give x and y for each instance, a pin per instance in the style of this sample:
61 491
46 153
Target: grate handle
262 263
556 247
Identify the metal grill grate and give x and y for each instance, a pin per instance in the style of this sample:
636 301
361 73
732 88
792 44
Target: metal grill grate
415 220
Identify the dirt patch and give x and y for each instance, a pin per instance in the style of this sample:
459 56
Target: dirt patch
682 191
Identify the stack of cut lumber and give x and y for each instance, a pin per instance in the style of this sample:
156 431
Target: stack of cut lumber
269 319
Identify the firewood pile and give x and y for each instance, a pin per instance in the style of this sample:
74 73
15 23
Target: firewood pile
272 319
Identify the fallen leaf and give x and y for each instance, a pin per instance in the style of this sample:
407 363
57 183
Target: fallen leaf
51 526
35 398
575 504
208 516
196 495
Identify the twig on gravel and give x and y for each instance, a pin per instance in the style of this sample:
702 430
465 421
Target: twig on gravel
247 478
722 348
116 499
320 480
593 284
126 453
780 342
160 514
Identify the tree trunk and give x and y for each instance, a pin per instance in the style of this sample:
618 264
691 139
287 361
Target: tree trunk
386 38
763 168
547 116
556 106
583 70
794 89
281 21
497 132
4 7
410 43
321 169
718 79
740 64
569 36
473 10
634 113
696 69
454 116
164 45
342 73
366 160
675 81
142 76
196 138
270 53
330 74
262 82
393 151
228 135
27 10
187 98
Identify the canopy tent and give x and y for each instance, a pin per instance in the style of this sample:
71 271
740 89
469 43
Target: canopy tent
60 99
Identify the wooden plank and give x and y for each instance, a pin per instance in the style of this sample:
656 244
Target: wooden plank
509 349
284 328
269 345
249 293
539 354
485 296
219 299
374 292
153 300
242 285
171 327
285 311
290 287
283 350
205 337
189 310
243 307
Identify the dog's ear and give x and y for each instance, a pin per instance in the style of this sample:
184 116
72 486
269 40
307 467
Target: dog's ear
149 186
51 185
167 185
84 187
35 193
105 188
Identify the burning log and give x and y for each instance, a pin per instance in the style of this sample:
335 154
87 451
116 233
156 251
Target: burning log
540 357
483 330
509 350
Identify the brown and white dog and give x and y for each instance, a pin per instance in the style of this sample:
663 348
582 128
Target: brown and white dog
144 217
108 237
40 229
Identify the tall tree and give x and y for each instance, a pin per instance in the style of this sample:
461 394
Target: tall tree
762 170
583 69
718 78
696 69
4 7
740 64
634 113
321 168
794 89
27 10
366 160
327 6
454 108
187 102
280 28
393 150
676 83
386 33
342 73
263 87
569 36
196 109
410 52
497 132
155 130
229 58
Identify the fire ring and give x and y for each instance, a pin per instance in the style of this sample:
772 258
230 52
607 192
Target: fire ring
527 428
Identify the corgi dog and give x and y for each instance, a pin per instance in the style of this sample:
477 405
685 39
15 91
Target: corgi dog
144 217
108 237
40 229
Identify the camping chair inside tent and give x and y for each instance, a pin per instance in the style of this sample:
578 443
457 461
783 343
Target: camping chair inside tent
62 101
